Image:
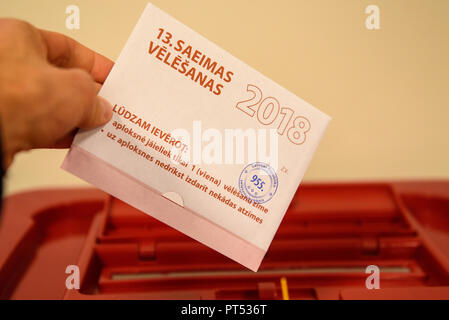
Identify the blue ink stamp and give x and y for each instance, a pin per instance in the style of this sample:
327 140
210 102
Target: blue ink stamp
258 182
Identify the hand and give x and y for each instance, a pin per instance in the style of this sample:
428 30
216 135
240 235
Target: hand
48 88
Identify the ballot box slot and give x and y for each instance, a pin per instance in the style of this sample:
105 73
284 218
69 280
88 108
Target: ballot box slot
192 274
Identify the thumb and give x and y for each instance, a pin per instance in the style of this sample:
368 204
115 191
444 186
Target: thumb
99 114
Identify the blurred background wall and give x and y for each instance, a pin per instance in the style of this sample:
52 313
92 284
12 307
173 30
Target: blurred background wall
387 90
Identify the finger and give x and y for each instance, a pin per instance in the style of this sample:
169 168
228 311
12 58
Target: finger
97 115
65 52
82 107
66 141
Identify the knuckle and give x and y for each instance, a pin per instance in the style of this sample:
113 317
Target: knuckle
15 24
18 29
20 37
82 85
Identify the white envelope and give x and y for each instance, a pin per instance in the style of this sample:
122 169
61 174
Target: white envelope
247 141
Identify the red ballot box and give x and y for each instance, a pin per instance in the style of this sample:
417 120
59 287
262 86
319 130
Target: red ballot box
330 241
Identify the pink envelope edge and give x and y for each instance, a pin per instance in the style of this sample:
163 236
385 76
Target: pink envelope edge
101 174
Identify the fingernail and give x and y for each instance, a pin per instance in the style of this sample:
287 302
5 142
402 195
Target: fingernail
106 109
